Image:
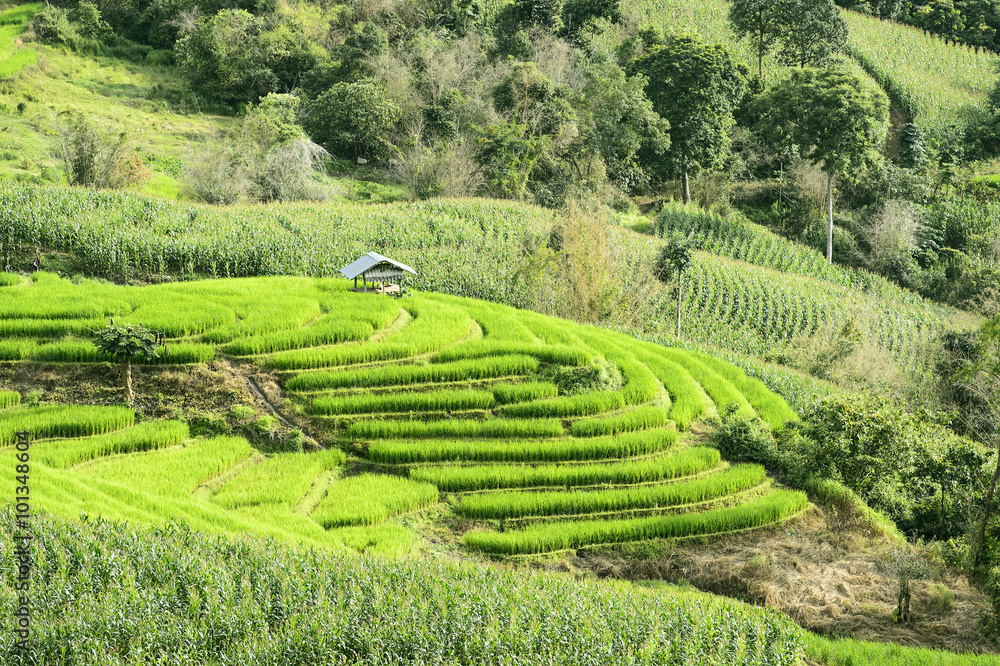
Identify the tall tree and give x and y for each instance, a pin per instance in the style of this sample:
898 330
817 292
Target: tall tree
985 370
832 117
694 86
758 20
674 258
811 32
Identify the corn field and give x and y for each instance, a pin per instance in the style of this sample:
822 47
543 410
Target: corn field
936 82
270 605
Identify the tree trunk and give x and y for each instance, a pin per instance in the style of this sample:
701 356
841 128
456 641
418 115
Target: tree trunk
127 380
680 291
829 217
687 189
986 510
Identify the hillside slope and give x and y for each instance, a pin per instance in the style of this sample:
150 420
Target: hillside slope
421 388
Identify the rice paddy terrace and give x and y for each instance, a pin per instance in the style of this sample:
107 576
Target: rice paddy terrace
543 435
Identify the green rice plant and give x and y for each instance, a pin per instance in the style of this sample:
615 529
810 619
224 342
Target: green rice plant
9 399
636 419
688 399
434 326
9 279
491 429
508 393
73 351
171 472
176 311
721 391
70 351
423 401
771 406
554 354
17 349
583 404
549 537
330 331
520 504
146 436
63 421
182 353
20 14
370 499
849 652
150 586
48 328
281 479
456 479
645 442
23 57
641 385
397 375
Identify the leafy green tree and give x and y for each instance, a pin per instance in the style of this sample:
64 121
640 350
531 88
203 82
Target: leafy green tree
940 17
833 117
507 154
126 343
985 370
811 32
760 21
354 120
224 58
580 17
694 86
617 122
528 97
365 42
673 259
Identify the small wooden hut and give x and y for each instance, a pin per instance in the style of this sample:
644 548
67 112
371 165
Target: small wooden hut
374 268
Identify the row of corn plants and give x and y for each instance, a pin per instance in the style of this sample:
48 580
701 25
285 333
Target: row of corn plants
222 600
738 238
281 479
521 504
398 375
549 537
936 82
636 419
63 421
491 477
370 499
418 401
640 443
491 429
100 231
146 436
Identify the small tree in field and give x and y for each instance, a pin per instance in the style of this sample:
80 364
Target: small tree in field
125 343
674 257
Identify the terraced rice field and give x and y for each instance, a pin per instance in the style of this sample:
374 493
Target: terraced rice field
547 434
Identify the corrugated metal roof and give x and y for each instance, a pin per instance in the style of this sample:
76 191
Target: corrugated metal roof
370 260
